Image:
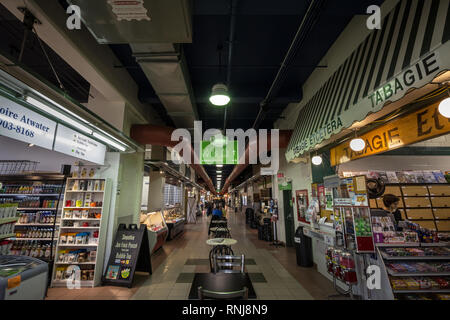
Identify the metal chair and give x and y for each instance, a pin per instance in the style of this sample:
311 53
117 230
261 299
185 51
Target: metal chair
221 232
219 250
202 294
226 263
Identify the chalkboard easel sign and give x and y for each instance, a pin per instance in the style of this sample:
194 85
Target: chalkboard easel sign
130 253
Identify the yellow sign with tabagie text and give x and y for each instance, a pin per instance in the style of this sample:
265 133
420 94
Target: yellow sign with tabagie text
420 125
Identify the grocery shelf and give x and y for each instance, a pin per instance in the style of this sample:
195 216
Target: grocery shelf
388 257
74 263
41 209
71 208
34 239
80 227
393 245
413 244
6 236
34 225
77 245
418 274
29 194
87 219
83 283
422 291
8 220
86 191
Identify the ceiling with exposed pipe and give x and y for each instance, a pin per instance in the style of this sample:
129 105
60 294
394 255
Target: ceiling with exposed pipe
264 51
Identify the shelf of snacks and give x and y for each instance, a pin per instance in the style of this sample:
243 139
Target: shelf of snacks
83 229
175 220
157 229
38 198
416 259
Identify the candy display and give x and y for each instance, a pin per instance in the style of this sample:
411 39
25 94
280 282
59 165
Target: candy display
420 283
77 256
66 273
419 267
340 264
419 252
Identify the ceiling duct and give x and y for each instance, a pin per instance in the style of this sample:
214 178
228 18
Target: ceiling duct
166 69
139 21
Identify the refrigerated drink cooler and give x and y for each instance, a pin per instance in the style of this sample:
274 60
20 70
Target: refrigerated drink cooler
22 278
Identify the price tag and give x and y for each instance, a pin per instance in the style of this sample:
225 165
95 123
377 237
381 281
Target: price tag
14 282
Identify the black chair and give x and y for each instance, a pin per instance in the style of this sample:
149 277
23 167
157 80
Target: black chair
202 294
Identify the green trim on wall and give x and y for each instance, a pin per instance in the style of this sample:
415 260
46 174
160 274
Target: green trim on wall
322 170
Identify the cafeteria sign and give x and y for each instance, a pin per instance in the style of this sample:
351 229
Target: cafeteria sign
420 125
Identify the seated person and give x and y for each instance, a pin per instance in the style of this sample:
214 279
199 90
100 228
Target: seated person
217 212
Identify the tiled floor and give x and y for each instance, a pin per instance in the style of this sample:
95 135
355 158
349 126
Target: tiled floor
273 271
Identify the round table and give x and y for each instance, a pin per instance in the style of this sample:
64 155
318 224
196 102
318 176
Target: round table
225 242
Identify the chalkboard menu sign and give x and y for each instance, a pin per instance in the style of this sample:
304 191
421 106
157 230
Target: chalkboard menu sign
130 253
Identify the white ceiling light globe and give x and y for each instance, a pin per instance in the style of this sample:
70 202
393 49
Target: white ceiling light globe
219 95
444 107
357 144
316 160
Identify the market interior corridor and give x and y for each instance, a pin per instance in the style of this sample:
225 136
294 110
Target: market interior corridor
273 271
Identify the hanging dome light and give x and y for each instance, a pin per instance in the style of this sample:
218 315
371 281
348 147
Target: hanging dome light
219 95
357 144
316 160
444 107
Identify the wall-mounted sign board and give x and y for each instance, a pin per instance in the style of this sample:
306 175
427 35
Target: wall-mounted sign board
20 123
75 144
420 125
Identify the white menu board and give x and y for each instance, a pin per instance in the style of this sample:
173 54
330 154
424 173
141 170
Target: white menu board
75 144
20 123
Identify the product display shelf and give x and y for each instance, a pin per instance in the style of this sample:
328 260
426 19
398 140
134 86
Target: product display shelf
29 194
436 198
415 276
6 236
34 181
8 220
95 266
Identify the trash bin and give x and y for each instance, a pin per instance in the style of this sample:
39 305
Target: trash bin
303 248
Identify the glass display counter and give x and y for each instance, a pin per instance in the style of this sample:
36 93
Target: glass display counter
175 221
157 229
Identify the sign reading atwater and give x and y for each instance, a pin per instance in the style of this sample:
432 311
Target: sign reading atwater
22 124
420 125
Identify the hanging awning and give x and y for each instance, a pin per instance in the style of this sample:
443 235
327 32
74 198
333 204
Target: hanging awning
409 51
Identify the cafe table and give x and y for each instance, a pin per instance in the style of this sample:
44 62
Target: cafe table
221 282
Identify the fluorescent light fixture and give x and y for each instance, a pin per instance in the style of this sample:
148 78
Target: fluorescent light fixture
357 144
58 115
62 108
219 165
316 160
219 171
110 142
